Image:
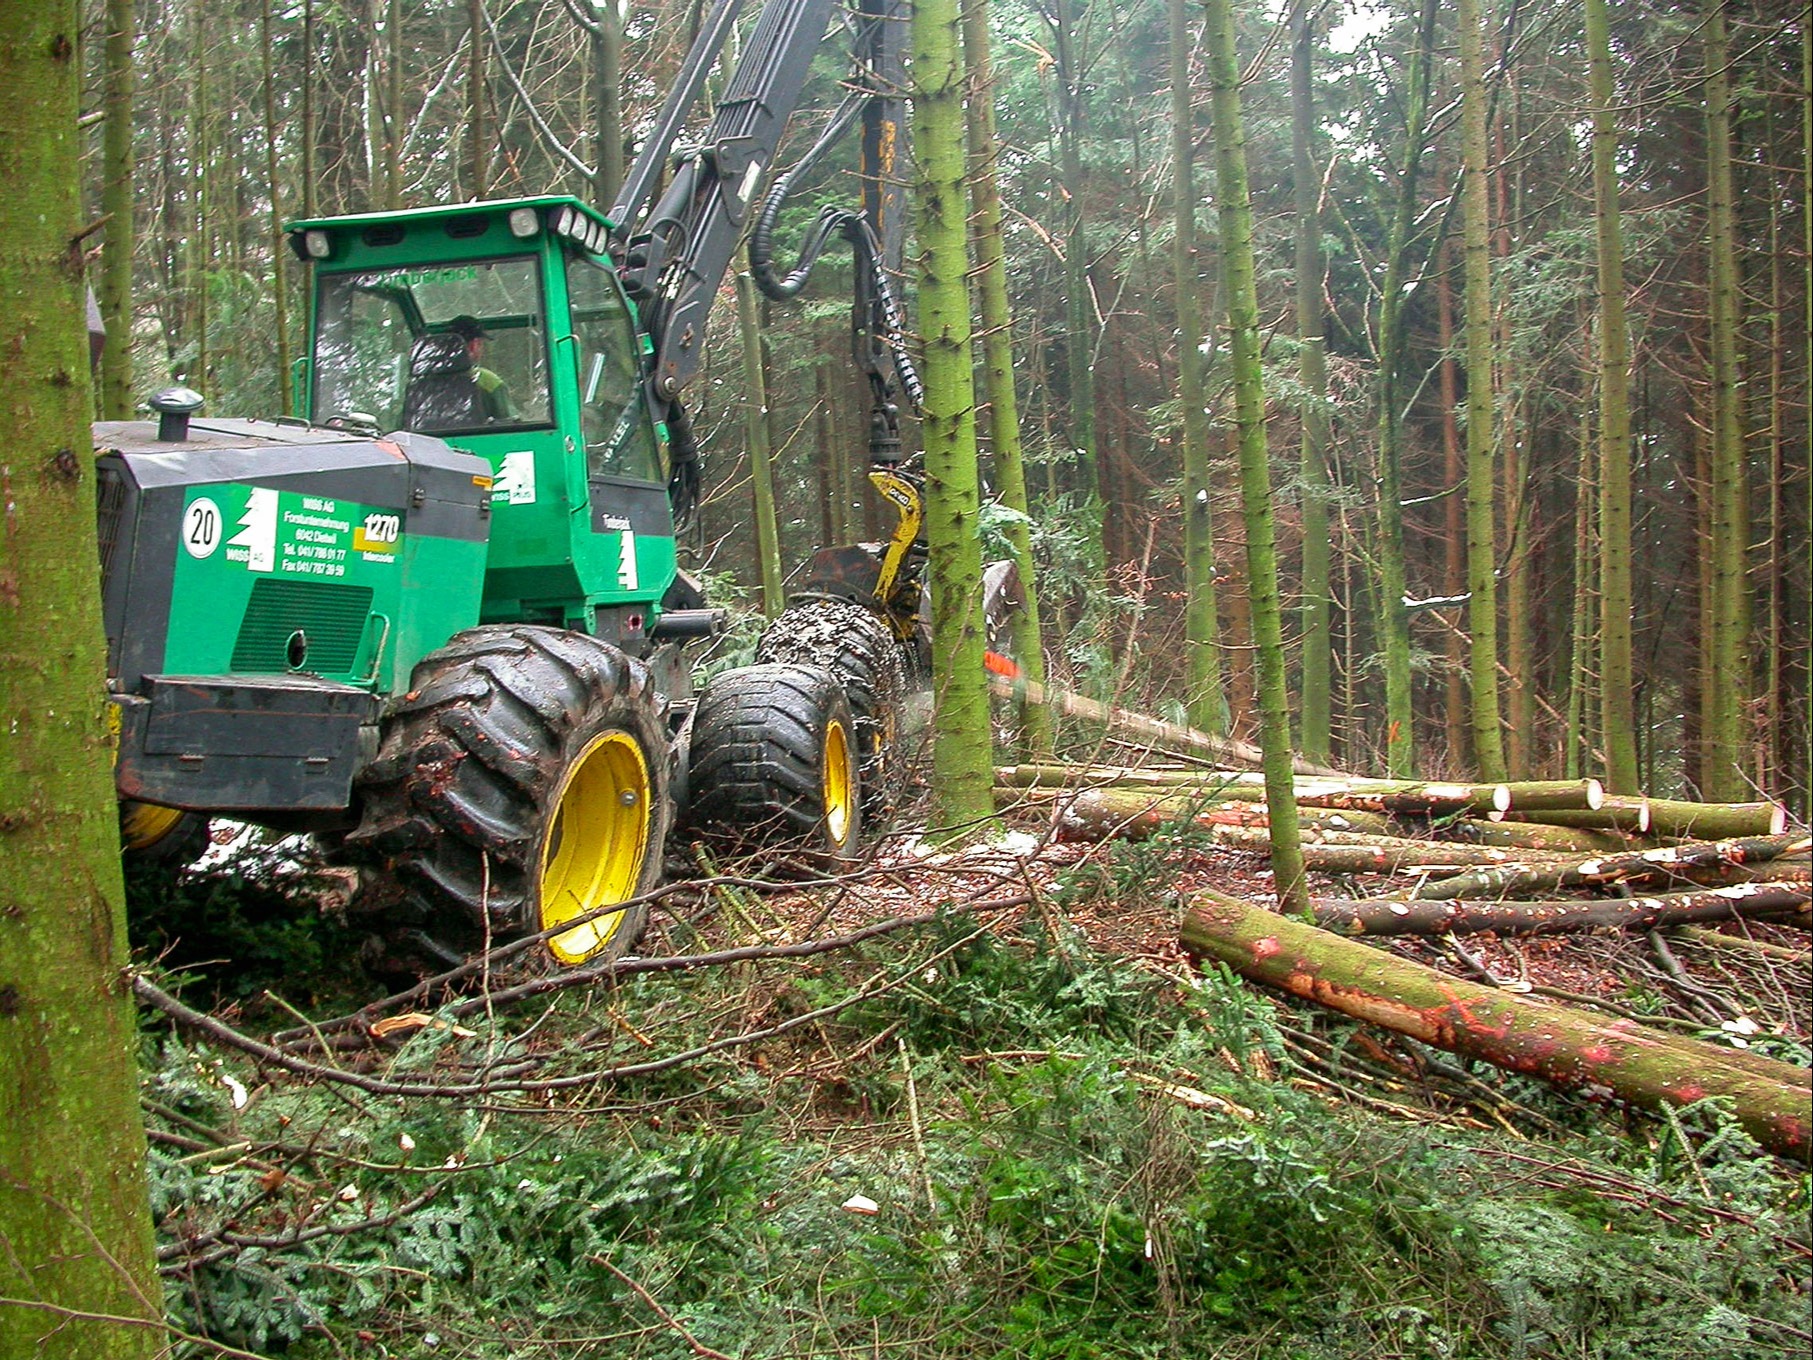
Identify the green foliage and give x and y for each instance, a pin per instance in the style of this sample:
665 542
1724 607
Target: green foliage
240 930
1094 1162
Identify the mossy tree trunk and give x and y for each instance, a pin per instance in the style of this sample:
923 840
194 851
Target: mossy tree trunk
1206 701
1616 679
962 769
998 364
1255 474
78 1277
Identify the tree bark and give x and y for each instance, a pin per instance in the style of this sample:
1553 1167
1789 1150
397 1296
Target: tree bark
1572 1049
117 207
998 365
761 453
1314 721
1482 564
962 768
1724 742
1616 671
1255 472
78 1274
1205 699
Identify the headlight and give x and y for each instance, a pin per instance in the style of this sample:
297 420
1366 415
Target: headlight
524 223
318 244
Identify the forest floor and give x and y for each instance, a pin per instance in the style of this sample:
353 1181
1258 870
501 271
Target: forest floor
1006 1117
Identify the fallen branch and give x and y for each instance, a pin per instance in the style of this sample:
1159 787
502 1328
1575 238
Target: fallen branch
1575 1051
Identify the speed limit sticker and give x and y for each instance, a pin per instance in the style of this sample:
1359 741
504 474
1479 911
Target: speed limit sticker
201 527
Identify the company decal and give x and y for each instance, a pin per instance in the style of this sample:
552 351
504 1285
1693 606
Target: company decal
284 533
515 482
626 562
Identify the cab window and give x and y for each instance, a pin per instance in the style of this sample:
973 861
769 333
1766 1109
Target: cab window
619 437
445 349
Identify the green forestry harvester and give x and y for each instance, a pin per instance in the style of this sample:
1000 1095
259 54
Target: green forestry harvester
438 616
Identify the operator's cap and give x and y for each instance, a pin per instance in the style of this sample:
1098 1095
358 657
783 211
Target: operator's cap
467 328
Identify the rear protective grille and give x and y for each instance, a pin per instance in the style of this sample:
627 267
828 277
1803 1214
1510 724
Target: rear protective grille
110 501
331 617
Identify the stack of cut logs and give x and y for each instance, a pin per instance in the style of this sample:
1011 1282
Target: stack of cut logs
1512 858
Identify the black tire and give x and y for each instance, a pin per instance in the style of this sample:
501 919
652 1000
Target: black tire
510 741
773 760
856 646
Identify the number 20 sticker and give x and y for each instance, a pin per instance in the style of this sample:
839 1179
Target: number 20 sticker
201 527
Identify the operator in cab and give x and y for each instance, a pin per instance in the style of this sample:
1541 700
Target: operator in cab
493 393
450 389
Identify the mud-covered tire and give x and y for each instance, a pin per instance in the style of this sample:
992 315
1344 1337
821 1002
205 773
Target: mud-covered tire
855 645
774 762
520 782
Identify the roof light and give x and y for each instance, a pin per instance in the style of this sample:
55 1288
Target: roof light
318 244
524 223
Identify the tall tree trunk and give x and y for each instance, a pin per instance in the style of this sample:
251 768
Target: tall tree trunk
1728 629
279 248
1206 699
306 134
761 453
478 137
79 1272
1454 520
1080 343
607 99
997 362
1394 621
1482 589
117 207
1236 212
962 771
1617 680
1318 643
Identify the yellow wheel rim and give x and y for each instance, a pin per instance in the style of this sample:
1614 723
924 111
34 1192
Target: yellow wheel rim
596 843
839 784
143 825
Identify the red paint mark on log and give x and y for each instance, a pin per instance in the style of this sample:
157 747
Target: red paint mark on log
1266 947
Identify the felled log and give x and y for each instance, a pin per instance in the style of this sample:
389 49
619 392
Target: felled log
1342 792
1466 916
1161 735
1614 813
1527 835
1099 814
1134 813
1511 880
1716 821
1570 1048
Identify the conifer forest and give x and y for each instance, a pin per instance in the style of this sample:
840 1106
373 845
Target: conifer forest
928 678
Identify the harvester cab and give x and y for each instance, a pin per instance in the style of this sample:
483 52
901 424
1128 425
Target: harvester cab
502 328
